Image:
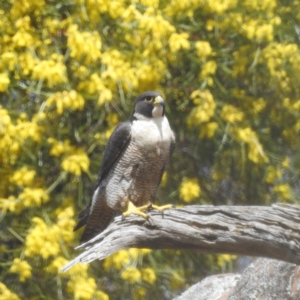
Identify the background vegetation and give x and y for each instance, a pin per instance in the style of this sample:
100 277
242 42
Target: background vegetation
69 71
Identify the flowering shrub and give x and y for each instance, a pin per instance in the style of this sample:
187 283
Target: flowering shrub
69 70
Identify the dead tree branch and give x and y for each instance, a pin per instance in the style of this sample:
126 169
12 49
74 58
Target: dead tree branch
272 232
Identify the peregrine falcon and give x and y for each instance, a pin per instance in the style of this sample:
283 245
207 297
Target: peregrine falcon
133 163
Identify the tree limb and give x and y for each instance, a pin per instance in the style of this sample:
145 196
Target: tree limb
272 232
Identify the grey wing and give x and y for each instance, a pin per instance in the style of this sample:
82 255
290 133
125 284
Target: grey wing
96 215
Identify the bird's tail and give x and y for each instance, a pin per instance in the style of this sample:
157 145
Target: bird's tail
96 219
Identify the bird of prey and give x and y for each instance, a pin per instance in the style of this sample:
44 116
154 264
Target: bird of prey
133 163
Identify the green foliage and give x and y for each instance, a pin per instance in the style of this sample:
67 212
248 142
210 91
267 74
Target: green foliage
69 71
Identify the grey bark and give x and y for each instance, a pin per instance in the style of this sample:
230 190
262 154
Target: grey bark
272 232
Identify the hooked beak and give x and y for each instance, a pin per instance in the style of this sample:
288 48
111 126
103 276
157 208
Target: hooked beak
159 101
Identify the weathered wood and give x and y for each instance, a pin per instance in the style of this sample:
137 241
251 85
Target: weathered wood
272 232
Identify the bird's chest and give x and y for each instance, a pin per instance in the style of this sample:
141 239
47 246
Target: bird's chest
152 134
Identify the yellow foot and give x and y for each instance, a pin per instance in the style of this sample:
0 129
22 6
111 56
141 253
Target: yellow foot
160 208
132 209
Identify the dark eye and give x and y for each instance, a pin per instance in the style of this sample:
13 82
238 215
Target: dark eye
148 98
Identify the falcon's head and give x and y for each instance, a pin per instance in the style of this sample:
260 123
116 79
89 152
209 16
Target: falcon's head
150 105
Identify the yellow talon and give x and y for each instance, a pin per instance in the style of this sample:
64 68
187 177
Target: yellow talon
161 208
132 209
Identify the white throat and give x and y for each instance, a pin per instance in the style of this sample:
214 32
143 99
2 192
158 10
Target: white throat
157 111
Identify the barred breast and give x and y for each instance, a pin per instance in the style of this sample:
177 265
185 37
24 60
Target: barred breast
136 177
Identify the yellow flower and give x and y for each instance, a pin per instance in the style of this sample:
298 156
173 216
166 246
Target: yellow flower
139 293
259 105
66 99
148 275
223 259
256 153
23 177
105 95
56 264
4 82
283 190
205 107
23 38
32 197
208 68
22 268
82 288
11 204
58 148
208 130
101 295
272 174
286 162
76 163
203 49
164 179
42 240
84 46
6 294
131 274
52 70
117 260
179 41
231 114
189 189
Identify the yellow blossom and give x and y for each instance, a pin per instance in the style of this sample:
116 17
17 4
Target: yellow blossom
32 197
11 204
272 174
203 49
112 119
148 275
76 163
84 46
208 68
21 7
100 295
23 38
105 95
82 288
52 70
66 99
26 63
6 294
179 41
259 105
286 162
4 82
223 259
131 274
164 179
231 114
283 190
23 177
205 107
256 152
42 240
22 268
117 260
208 130
189 189
58 148
139 293
56 264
